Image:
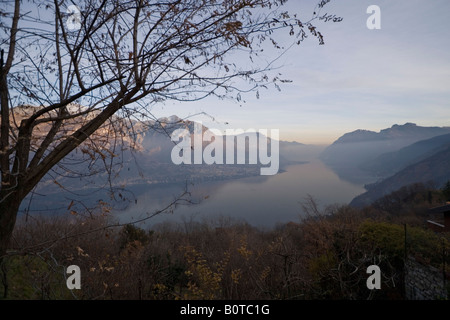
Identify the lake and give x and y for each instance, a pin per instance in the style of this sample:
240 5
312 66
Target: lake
262 201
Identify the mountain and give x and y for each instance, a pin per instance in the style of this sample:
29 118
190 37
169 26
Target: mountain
389 163
407 131
434 169
148 165
349 154
156 148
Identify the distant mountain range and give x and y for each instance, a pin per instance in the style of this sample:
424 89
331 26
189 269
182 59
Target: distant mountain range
383 161
355 155
390 159
155 148
148 166
408 132
433 170
389 163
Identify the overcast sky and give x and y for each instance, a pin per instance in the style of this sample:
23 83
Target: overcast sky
360 78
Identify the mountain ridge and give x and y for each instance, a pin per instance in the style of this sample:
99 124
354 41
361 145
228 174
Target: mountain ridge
147 164
349 153
389 163
396 131
434 169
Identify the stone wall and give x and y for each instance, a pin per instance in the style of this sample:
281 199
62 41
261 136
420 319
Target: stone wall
424 282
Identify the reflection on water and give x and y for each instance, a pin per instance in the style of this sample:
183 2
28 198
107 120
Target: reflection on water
261 201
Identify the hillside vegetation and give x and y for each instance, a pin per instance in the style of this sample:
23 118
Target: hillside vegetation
324 255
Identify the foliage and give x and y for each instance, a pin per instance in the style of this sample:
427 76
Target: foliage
132 234
324 256
32 277
446 191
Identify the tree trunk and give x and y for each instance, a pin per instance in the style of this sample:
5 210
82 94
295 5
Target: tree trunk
8 214
9 208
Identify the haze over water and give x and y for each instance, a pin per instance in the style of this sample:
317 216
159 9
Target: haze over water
260 201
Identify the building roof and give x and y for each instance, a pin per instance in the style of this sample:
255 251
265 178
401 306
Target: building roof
441 209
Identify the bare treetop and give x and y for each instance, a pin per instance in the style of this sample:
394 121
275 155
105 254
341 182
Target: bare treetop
117 59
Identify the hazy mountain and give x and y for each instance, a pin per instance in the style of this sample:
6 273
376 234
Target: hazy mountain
389 163
349 154
434 169
155 147
407 131
146 166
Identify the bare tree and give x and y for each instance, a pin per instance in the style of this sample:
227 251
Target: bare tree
67 76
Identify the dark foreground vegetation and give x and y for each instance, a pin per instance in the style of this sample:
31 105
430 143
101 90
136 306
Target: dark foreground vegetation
324 255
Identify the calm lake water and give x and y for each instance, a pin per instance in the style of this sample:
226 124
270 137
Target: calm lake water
262 201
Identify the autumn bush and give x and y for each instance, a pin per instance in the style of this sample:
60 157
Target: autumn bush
324 255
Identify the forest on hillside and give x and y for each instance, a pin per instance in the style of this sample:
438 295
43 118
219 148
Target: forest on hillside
322 256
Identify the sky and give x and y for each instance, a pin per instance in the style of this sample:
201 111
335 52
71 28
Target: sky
359 79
